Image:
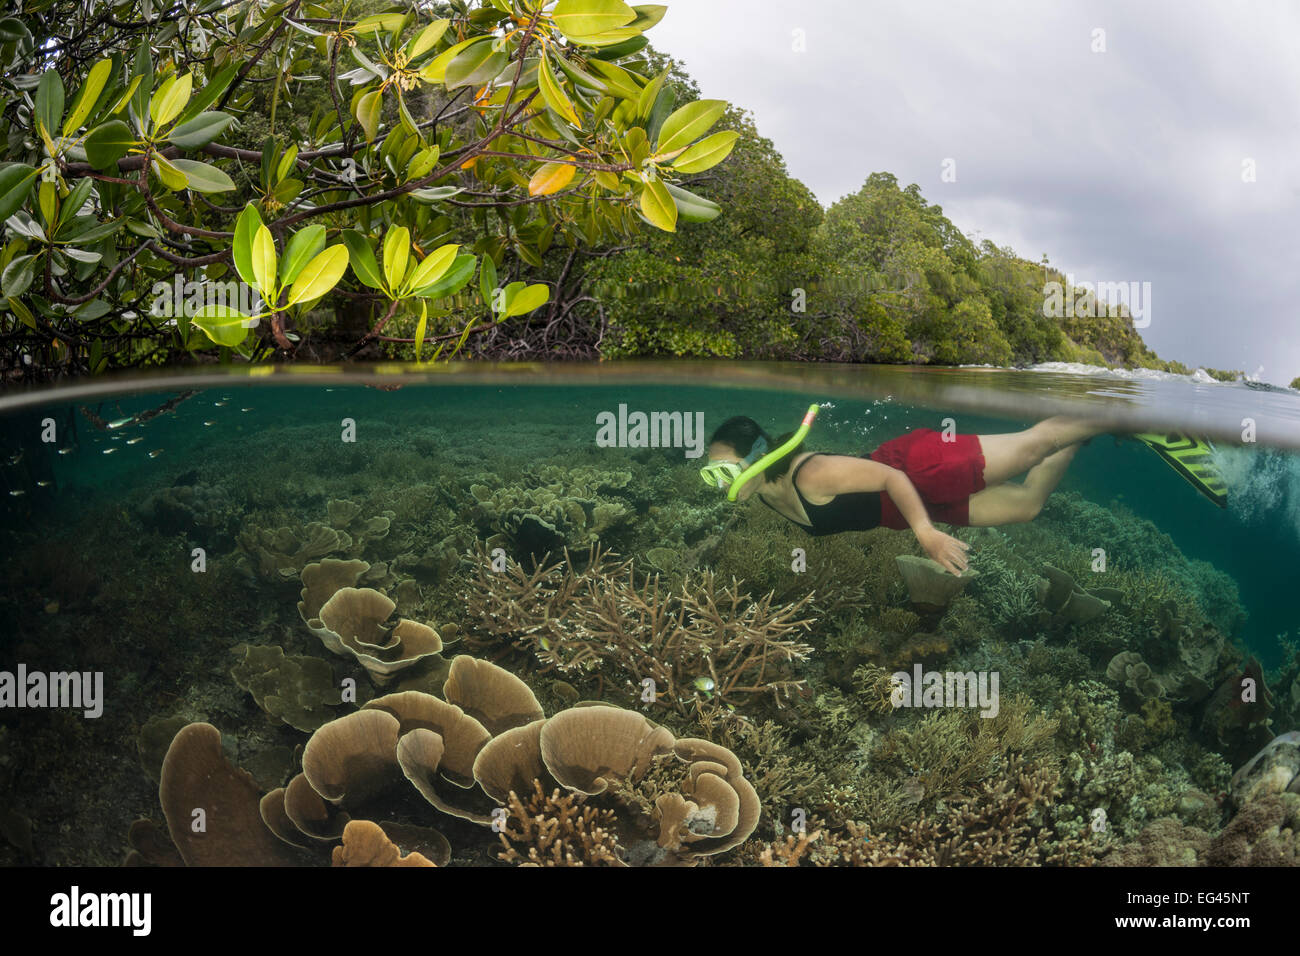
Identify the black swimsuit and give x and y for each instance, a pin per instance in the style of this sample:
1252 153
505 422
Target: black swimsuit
852 511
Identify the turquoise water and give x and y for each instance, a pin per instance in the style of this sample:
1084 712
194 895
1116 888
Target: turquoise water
99 565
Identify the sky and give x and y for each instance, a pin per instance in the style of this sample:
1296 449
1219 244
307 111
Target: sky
1154 142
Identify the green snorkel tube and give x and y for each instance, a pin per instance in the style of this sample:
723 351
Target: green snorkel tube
758 467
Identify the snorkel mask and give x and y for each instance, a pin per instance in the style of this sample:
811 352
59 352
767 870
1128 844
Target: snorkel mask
732 476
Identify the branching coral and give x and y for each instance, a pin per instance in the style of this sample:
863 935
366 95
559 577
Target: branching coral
949 751
1007 823
705 639
558 831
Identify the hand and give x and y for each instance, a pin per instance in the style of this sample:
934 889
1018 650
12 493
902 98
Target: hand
949 552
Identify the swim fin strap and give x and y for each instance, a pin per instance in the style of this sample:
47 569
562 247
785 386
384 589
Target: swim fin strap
1193 459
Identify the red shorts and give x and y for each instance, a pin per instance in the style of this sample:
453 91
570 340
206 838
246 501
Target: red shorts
945 473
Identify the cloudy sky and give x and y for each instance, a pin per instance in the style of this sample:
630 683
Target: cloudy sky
1126 165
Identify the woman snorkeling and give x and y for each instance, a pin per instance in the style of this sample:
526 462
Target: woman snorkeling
908 482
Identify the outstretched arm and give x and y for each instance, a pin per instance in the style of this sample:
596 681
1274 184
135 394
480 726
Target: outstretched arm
943 548
839 474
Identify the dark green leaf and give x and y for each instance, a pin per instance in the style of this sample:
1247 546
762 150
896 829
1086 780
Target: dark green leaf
107 143
362 258
201 130
15 184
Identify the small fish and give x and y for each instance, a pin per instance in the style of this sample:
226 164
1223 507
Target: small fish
245 409
15 458
44 484
546 645
219 404
136 440
208 423
704 684
17 493
65 451
155 453
121 421
109 451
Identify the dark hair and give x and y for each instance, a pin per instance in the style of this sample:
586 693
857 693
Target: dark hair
741 432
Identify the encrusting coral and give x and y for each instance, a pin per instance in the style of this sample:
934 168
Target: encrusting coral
298 690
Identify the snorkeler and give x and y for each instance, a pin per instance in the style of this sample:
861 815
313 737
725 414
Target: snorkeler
909 481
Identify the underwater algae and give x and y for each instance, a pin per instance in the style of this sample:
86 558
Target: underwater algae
374 732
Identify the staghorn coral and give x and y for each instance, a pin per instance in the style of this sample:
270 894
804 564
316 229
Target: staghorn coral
842 572
701 640
557 831
1007 821
949 751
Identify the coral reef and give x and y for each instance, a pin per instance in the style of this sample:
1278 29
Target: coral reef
202 512
366 844
550 509
299 690
282 553
350 621
1275 769
702 640
928 584
1266 832
558 831
1066 601
212 806
1236 715
663 800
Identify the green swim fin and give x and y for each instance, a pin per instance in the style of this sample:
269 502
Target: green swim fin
1193 459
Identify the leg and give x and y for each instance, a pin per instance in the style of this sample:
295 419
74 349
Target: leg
1008 455
1014 504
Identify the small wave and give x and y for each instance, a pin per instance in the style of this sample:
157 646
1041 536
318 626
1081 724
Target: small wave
1198 377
